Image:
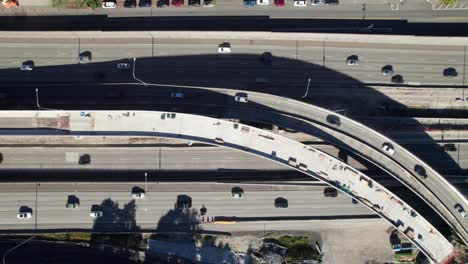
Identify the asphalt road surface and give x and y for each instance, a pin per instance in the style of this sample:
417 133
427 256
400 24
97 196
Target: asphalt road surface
122 212
191 61
186 158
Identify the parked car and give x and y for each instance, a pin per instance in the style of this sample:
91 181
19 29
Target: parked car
352 60
398 79
460 210
330 192
388 148
24 215
96 214
237 192
279 2
209 3
84 159
300 3
450 72
27 65
144 3
241 98
420 171
109 4
177 95
332 2
250 3
333 120
123 66
281 202
224 47
450 147
130 3
177 3
387 70
263 2
194 2
163 3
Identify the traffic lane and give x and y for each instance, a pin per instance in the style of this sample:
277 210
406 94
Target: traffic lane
156 204
107 51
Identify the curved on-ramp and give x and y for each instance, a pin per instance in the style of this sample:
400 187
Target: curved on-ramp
244 138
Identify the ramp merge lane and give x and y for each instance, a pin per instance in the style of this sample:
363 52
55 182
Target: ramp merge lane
244 138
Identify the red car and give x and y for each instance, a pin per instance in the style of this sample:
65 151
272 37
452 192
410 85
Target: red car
279 2
177 2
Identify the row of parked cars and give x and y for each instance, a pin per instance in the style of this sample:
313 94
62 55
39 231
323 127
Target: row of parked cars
299 3
211 3
159 3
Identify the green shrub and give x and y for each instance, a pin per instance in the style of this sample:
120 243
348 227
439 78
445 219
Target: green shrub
298 248
448 2
59 3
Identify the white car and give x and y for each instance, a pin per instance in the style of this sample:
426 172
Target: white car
95 214
224 49
138 195
109 4
388 148
24 215
241 98
123 66
300 3
263 2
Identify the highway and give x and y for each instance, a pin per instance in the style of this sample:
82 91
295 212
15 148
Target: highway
163 57
250 139
182 158
47 201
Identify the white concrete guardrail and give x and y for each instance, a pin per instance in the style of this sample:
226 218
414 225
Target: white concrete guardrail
243 138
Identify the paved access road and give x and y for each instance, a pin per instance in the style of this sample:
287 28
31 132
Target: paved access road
416 10
165 57
183 158
47 201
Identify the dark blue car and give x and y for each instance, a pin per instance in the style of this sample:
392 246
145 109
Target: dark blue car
144 3
249 3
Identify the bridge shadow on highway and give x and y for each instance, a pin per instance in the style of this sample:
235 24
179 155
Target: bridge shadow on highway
100 86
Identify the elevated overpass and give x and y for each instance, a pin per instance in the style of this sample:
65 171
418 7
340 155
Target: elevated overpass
243 138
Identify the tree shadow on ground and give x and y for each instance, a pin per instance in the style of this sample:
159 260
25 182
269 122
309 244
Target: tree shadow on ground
114 218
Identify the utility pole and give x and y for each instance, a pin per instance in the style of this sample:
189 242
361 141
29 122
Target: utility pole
146 180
